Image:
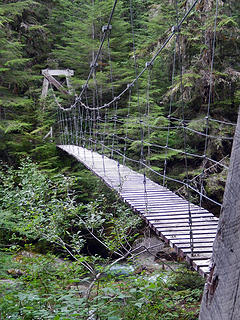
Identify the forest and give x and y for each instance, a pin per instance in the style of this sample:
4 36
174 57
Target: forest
69 247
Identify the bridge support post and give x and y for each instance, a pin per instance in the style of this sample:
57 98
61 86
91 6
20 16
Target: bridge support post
221 299
48 78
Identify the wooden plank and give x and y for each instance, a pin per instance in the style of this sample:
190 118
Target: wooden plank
177 215
204 271
175 233
196 244
161 203
185 243
201 263
160 215
66 72
165 203
195 250
162 206
153 195
150 191
173 213
184 236
183 222
186 229
198 256
163 209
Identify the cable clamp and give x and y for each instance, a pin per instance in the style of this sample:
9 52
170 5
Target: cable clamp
175 29
148 64
84 86
116 98
130 85
93 65
106 28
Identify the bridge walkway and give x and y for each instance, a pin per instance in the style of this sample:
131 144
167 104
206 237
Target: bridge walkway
164 211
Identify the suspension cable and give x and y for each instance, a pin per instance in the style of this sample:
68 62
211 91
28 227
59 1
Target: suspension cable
209 97
94 62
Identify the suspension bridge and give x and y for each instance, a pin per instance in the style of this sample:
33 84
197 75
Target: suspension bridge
140 152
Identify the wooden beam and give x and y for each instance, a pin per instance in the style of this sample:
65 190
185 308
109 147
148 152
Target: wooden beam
66 73
54 82
48 78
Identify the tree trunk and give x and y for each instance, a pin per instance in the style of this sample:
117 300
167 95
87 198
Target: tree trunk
221 299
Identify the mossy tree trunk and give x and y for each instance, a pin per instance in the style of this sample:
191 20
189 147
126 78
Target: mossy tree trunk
221 299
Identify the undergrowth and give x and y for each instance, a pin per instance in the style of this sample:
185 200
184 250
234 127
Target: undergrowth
50 288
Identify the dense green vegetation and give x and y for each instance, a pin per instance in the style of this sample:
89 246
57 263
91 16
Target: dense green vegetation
59 228
56 245
40 215
50 289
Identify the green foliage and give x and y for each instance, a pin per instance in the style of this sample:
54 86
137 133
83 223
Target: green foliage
35 207
53 289
29 199
39 34
185 279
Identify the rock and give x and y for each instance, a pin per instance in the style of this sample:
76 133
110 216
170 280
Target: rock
24 254
156 256
145 251
145 269
148 246
7 282
167 254
15 273
121 270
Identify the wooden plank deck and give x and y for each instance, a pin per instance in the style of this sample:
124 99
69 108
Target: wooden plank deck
165 212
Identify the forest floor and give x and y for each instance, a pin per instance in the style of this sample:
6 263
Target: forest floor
36 286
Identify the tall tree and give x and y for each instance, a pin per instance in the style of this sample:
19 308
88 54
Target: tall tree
221 300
